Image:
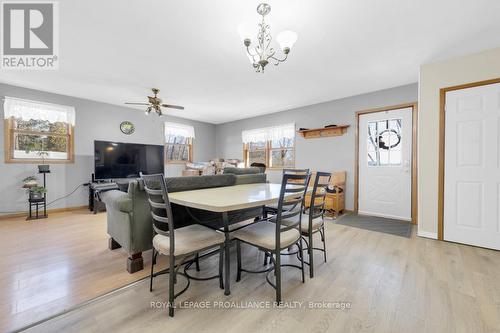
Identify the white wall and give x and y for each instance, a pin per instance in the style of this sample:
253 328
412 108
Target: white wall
325 154
472 68
94 121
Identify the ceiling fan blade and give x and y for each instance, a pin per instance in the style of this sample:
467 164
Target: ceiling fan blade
173 106
137 103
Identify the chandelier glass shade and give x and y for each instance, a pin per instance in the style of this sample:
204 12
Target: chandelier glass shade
263 53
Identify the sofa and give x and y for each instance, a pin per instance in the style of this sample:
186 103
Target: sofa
129 223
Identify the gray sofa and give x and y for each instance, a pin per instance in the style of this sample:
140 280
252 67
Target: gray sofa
129 219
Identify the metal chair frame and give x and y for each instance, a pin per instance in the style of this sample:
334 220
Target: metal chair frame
316 210
287 208
159 203
271 210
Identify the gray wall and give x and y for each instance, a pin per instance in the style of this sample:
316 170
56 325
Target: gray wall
100 121
94 121
325 154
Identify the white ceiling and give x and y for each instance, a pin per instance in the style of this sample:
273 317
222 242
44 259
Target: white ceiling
116 50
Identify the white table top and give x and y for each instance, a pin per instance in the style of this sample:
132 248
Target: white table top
228 198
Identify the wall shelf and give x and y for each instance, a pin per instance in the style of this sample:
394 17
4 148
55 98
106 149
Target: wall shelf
324 132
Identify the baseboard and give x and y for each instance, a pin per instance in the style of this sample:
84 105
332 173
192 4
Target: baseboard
49 211
427 234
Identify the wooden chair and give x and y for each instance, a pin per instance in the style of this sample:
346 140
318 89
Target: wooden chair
275 235
182 245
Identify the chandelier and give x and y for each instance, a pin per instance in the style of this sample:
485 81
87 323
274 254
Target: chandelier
261 54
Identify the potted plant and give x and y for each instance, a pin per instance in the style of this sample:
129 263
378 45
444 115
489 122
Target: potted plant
37 192
39 148
43 167
30 181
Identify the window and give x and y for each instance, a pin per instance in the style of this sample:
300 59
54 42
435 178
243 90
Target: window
384 142
272 146
178 143
38 132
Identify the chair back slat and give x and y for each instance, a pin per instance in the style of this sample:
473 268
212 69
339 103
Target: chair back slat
161 212
316 213
291 200
318 197
290 213
294 189
153 192
289 171
158 218
157 204
318 205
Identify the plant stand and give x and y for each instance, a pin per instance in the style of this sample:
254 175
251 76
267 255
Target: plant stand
38 203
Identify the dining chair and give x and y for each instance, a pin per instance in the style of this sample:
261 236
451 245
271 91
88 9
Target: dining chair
273 236
182 245
273 208
313 222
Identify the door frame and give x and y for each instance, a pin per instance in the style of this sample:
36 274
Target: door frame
442 143
414 184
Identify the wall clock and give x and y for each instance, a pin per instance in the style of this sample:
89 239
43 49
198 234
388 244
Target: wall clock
127 127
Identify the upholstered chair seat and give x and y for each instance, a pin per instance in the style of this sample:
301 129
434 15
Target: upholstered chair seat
263 235
189 239
272 237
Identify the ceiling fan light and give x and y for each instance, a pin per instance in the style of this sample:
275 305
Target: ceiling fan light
286 39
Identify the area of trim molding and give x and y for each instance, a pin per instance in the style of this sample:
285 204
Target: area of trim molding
427 234
53 210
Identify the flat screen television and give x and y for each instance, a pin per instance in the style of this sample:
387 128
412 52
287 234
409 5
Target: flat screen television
115 160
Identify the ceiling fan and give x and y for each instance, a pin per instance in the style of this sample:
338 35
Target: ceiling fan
154 103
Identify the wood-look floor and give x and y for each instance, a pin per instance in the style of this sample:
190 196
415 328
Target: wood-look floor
393 284
53 264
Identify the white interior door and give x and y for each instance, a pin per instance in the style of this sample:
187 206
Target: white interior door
472 162
385 141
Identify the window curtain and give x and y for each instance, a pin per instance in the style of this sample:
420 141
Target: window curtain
179 130
27 110
269 133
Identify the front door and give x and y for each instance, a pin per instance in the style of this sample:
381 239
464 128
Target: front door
385 150
472 166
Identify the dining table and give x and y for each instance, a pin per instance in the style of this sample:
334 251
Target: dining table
226 199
